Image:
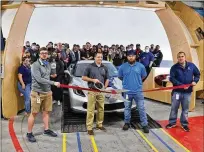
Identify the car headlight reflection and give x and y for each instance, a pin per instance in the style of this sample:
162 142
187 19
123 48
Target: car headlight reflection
79 92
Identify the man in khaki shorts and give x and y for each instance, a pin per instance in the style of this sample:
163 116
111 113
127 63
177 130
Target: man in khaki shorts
95 73
41 95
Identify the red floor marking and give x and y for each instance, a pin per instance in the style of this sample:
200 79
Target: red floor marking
192 140
13 136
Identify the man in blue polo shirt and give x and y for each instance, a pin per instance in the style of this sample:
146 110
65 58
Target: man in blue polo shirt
132 73
182 73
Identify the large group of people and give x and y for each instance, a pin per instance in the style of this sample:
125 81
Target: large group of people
150 56
40 82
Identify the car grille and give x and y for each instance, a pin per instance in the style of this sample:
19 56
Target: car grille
108 107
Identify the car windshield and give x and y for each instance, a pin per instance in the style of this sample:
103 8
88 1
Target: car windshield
79 69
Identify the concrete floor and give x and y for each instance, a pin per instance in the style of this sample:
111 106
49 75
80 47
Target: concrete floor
114 140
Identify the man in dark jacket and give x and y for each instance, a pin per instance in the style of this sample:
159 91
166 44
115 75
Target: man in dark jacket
138 52
158 56
182 73
117 59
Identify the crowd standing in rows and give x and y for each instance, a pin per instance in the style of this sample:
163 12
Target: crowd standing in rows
150 56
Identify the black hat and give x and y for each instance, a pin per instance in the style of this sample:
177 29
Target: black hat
131 52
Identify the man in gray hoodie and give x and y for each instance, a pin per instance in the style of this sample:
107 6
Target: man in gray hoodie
41 94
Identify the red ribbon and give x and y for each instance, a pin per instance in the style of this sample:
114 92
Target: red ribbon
88 89
169 88
115 92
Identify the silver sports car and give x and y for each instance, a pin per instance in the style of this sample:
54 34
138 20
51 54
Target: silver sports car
77 99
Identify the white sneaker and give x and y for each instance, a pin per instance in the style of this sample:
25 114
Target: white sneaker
54 101
58 103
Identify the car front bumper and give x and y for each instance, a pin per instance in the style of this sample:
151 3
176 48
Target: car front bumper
79 103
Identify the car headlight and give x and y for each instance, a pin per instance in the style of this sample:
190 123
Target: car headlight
79 92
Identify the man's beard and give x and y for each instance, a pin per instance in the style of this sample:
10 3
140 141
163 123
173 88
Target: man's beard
131 62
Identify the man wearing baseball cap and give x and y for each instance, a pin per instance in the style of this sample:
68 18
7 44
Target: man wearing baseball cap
132 73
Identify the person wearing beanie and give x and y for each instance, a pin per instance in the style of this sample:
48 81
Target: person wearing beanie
132 73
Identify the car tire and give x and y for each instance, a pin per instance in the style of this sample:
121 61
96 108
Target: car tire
66 102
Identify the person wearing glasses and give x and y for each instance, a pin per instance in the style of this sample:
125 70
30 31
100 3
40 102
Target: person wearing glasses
182 73
24 82
41 94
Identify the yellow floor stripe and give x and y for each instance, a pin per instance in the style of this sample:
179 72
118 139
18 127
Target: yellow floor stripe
148 142
64 143
94 144
175 140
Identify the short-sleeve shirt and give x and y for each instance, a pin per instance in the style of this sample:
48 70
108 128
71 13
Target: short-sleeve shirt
26 74
132 76
94 71
146 58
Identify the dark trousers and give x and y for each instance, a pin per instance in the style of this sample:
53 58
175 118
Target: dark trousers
148 69
56 93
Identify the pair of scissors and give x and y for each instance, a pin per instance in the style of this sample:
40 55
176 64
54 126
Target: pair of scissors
117 92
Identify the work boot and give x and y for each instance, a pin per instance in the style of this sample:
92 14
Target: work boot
101 128
185 128
90 132
30 137
170 126
126 126
145 129
50 133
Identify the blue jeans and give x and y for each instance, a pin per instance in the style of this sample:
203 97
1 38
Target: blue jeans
139 100
184 99
26 94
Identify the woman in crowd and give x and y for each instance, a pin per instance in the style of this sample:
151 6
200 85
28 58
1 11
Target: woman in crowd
57 72
24 82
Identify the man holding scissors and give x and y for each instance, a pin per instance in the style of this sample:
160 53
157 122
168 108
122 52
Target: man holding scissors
132 73
96 74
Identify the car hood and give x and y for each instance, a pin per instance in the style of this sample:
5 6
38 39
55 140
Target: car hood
114 83
79 82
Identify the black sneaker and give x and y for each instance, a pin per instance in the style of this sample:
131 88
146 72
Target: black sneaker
185 128
170 126
126 126
30 137
145 129
50 133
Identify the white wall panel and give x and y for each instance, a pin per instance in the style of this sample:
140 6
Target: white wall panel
104 25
